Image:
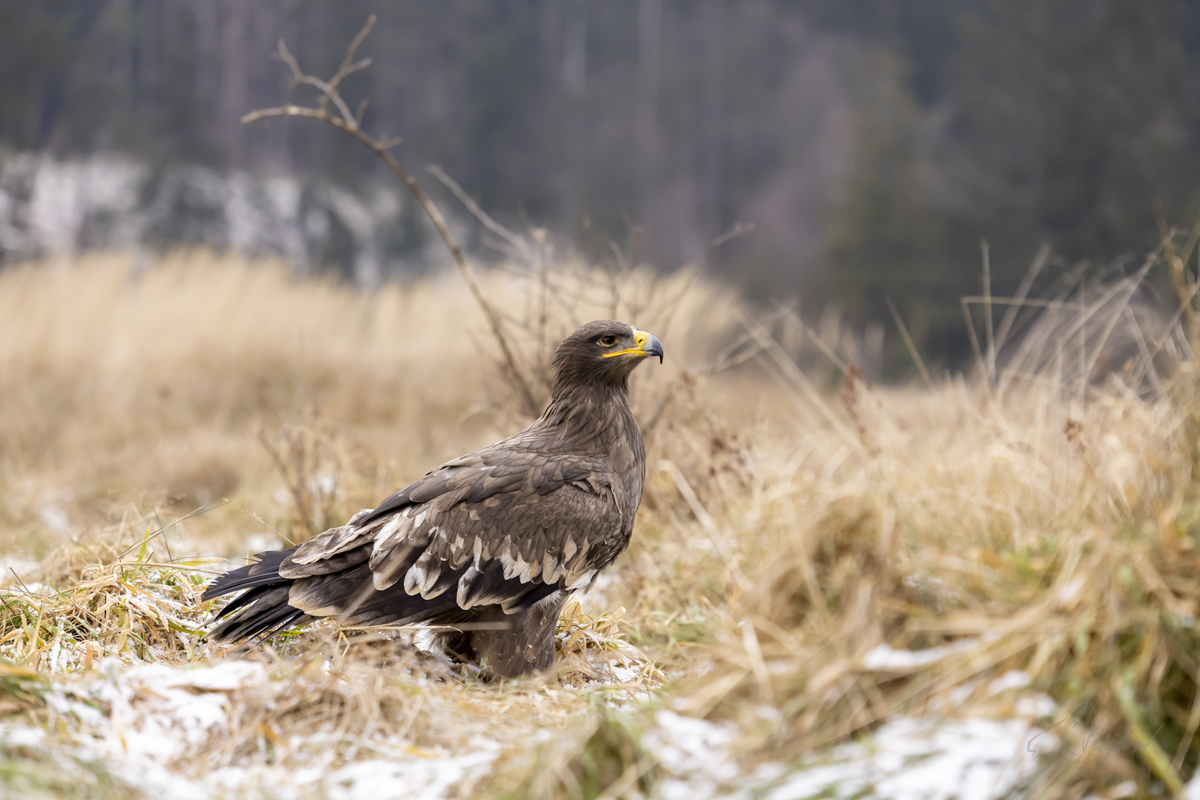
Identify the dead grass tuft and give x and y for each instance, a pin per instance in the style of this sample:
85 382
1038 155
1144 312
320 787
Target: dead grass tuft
808 564
138 610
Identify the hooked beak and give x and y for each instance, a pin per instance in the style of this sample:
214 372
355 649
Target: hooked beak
651 346
647 345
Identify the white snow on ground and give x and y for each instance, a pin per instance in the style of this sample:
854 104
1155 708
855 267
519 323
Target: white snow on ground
160 716
416 779
147 721
695 753
15 570
907 759
884 659
922 759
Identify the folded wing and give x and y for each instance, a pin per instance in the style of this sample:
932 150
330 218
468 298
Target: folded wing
498 527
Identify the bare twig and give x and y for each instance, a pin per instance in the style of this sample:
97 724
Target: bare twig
738 230
795 376
1010 314
162 529
349 122
987 311
727 358
908 342
706 521
966 309
1180 279
821 345
481 215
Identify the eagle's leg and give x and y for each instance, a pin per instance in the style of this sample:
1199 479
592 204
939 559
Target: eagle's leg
452 644
512 645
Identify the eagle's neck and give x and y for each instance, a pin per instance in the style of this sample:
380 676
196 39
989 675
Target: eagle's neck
595 420
593 417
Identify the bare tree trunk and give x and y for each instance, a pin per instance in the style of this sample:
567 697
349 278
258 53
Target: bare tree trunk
574 65
233 98
713 102
208 68
262 81
550 34
51 101
649 80
574 81
149 40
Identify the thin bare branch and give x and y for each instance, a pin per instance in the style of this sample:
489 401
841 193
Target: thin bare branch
1035 268
821 345
350 123
987 314
974 337
673 304
473 207
908 342
283 54
329 88
349 65
726 359
795 376
1179 276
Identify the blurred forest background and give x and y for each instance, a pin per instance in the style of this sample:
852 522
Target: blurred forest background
873 144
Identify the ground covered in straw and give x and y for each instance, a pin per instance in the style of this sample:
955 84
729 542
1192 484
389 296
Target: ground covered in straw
973 587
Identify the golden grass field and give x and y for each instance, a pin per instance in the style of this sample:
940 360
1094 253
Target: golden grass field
818 561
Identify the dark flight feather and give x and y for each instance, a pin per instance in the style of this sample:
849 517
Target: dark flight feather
493 541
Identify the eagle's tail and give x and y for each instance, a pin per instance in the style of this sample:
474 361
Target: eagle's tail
264 603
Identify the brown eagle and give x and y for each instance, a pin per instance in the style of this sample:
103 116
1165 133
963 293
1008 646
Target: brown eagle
488 545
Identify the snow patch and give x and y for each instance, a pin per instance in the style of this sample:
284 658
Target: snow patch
413 779
147 722
919 759
15 570
694 752
884 659
907 759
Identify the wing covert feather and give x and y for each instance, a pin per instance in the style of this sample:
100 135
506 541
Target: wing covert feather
537 517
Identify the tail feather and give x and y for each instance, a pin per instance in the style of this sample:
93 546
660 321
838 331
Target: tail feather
263 571
268 615
242 600
265 605
262 609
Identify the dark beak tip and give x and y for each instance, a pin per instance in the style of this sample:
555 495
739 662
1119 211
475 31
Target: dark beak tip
654 347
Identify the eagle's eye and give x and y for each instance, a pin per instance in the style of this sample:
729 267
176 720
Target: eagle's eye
608 340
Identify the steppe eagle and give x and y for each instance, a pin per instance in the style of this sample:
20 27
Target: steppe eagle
489 544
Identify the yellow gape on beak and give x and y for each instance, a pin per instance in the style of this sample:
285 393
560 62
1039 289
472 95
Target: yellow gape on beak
647 345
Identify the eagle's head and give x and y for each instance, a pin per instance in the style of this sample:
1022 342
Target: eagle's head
604 351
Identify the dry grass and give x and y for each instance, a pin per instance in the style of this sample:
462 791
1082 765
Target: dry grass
1031 522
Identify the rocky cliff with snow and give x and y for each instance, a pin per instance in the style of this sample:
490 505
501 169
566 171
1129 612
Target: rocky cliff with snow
55 207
